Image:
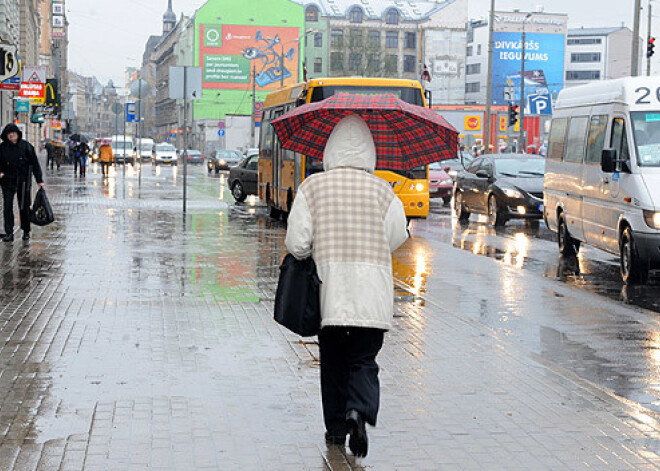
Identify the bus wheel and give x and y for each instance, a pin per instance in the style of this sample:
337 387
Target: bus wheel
567 245
633 270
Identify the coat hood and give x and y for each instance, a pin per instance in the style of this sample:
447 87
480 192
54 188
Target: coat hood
11 128
350 145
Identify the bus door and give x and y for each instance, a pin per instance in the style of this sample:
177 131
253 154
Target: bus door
277 160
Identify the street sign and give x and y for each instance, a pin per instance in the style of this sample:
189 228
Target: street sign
9 64
193 83
34 74
130 113
117 108
11 84
37 118
23 106
221 124
221 132
540 104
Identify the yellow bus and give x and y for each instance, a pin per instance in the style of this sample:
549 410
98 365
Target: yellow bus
281 171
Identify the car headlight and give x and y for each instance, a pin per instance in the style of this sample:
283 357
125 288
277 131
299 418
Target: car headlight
453 174
512 193
448 181
652 219
222 162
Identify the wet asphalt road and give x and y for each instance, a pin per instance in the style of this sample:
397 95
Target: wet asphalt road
575 313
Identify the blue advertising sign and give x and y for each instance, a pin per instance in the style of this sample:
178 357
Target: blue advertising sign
23 106
544 66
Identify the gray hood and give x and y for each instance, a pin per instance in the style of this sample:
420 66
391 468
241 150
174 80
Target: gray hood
350 145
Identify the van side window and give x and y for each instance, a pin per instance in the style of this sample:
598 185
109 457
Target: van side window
596 141
619 140
576 142
557 138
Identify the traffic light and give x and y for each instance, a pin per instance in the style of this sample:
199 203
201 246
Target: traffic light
512 114
650 45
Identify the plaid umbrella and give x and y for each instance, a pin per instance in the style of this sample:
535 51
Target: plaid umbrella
406 136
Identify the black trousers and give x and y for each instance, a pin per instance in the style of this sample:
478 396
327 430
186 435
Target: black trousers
349 374
8 193
104 168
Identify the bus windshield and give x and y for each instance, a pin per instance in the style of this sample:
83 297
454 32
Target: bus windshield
646 128
408 94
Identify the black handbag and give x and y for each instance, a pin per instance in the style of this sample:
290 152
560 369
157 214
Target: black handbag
298 296
41 213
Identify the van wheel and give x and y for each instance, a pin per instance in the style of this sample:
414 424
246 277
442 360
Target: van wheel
633 270
495 216
461 212
567 245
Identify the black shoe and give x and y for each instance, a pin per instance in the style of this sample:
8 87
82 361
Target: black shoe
358 443
26 236
335 439
8 238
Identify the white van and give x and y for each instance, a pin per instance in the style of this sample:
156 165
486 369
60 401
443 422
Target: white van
122 148
602 181
143 148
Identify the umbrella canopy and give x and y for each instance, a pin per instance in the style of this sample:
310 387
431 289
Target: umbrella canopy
79 138
405 136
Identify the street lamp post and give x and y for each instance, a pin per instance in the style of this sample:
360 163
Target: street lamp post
521 138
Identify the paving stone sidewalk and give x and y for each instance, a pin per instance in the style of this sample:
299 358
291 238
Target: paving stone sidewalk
132 337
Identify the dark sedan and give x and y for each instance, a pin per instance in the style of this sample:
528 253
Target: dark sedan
223 160
501 186
243 178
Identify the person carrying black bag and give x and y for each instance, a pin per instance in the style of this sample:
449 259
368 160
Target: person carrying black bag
349 221
17 160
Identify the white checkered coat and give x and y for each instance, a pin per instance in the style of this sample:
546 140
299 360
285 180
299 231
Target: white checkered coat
350 221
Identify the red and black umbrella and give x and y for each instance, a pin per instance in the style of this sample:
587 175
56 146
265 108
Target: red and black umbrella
405 135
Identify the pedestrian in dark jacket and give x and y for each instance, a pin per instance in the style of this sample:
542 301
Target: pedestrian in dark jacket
17 159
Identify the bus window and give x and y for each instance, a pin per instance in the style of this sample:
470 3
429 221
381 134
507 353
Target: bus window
267 136
619 139
408 94
577 136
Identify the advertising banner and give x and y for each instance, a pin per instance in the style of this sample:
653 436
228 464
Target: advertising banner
229 53
544 66
472 123
33 91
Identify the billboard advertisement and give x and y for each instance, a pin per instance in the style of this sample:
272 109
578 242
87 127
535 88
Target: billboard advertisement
229 53
544 66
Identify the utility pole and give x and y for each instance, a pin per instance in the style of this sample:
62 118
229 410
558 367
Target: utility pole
648 36
634 64
521 137
254 89
489 81
185 137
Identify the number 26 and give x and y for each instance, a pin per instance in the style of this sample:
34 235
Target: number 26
645 92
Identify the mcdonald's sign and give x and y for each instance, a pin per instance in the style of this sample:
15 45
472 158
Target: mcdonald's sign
52 96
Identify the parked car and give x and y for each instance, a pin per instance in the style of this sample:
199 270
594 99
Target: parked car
223 160
251 152
194 156
243 178
164 153
502 186
441 184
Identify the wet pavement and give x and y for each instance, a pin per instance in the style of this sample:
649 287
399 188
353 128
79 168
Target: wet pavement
133 336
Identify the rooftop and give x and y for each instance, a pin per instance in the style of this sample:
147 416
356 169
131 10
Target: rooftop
409 10
594 31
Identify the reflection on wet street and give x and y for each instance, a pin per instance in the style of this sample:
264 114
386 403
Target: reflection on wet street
136 336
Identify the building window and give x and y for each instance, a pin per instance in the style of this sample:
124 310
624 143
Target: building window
337 38
470 36
318 39
356 38
468 51
472 69
373 62
583 75
354 61
374 38
392 16
337 61
410 40
409 63
472 87
478 49
355 15
391 39
583 41
392 64
318 65
312 13
585 57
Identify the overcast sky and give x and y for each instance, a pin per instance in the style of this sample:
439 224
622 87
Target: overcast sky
105 36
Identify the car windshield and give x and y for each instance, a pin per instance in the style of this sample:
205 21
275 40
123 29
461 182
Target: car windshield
146 147
646 128
165 147
520 168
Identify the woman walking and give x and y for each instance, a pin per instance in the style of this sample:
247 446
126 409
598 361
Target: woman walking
349 221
